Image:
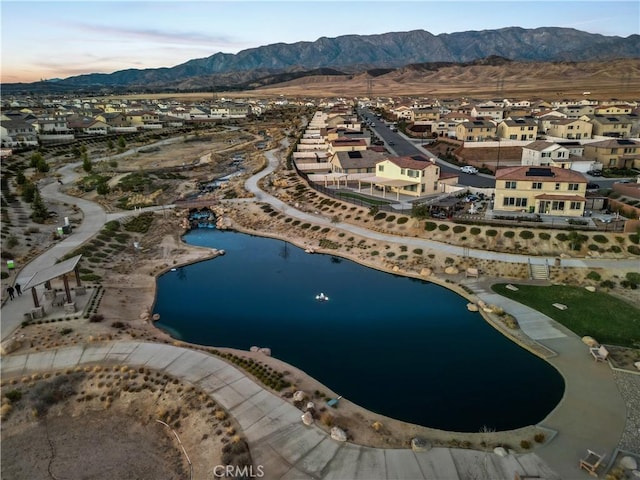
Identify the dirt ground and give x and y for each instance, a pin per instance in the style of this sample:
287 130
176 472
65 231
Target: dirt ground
128 280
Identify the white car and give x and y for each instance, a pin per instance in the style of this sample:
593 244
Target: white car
469 169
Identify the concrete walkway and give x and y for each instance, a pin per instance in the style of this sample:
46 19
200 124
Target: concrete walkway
279 441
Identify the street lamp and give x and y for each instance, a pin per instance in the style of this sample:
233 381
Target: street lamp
498 162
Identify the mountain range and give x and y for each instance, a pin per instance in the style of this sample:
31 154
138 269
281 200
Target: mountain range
352 54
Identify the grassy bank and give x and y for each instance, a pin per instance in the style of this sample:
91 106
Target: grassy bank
597 314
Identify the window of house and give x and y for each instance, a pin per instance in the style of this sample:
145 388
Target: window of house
576 205
570 127
514 202
536 185
381 168
510 185
557 205
573 186
557 186
513 137
402 170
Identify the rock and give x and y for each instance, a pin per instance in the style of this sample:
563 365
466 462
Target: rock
395 268
299 396
590 288
637 365
481 304
426 272
338 434
266 351
589 341
156 317
310 406
472 307
254 349
635 474
420 445
500 451
10 346
307 418
144 316
628 463
451 270
511 287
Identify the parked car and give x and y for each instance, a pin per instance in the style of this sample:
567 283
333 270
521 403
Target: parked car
593 186
391 143
469 169
595 173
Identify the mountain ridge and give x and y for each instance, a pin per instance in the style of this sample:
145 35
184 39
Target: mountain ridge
353 53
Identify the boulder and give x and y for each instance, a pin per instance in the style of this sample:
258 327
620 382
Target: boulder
395 268
635 474
420 445
629 463
426 272
637 365
500 451
254 349
338 434
266 351
299 396
451 270
472 307
590 288
310 406
589 341
10 346
307 418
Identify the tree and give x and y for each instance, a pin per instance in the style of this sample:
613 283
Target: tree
36 157
86 163
419 210
28 191
102 188
20 178
121 143
110 145
38 208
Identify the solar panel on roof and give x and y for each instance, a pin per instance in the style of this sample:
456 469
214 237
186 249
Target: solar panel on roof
612 119
624 141
355 154
420 158
539 172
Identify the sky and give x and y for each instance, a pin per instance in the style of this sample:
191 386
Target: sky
59 39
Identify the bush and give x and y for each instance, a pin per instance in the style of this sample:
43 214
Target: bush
628 284
633 277
544 236
633 249
417 251
539 437
593 247
600 239
608 284
475 231
509 234
634 238
526 444
96 318
491 233
562 237
14 395
526 234
391 218
459 229
594 276
430 226
403 220
380 216
443 227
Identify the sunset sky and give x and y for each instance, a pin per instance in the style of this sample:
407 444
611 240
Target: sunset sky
54 39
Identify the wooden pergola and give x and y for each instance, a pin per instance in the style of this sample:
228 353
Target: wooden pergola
62 269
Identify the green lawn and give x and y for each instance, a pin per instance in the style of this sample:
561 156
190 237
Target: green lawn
597 314
369 200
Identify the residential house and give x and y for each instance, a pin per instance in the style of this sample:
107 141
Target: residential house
523 129
495 113
16 132
541 190
88 126
427 114
475 131
358 161
619 109
614 153
344 144
570 128
415 176
543 153
610 125
577 111
113 119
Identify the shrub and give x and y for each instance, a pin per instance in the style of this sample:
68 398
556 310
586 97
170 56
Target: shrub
594 276
491 233
634 238
475 231
118 325
417 251
633 277
391 218
628 284
544 236
96 318
526 444
539 437
633 249
509 234
430 226
66 331
600 239
380 216
615 249
526 234
562 237
403 220
608 284
593 247
14 395
443 227
459 229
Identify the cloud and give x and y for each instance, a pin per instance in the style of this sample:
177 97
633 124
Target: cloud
114 33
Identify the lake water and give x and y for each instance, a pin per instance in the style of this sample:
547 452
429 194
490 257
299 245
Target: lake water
400 347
